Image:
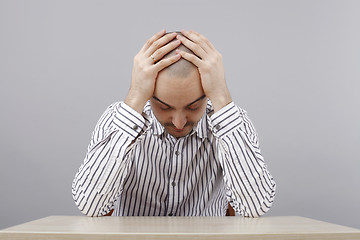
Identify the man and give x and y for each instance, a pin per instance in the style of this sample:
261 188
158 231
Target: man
177 145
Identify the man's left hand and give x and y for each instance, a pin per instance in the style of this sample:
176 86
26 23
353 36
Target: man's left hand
210 65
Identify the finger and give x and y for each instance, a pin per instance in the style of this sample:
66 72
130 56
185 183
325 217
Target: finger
160 65
191 58
206 40
196 48
199 39
151 40
161 52
159 43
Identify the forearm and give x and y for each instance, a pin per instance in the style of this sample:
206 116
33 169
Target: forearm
100 177
251 186
220 100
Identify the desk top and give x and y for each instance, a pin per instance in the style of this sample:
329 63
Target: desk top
82 227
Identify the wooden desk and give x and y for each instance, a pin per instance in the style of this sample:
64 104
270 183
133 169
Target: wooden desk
81 227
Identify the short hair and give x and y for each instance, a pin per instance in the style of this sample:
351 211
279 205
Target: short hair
182 67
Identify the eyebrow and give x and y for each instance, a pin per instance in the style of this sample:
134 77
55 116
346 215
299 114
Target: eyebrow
200 98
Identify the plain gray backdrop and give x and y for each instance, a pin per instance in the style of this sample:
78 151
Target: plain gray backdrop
293 65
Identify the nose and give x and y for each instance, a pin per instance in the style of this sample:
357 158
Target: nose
179 120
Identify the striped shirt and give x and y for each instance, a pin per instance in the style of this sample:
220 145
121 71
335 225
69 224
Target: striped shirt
136 168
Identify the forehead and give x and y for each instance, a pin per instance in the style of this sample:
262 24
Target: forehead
178 91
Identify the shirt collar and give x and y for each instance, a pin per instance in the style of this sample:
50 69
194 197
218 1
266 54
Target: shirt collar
155 125
157 128
202 129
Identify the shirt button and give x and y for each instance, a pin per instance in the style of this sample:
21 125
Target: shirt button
217 126
135 127
173 184
177 153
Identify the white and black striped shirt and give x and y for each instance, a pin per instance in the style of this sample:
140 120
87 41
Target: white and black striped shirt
136 168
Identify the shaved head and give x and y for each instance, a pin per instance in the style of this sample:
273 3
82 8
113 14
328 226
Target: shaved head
181 68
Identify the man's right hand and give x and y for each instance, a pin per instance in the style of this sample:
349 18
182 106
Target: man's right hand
147 64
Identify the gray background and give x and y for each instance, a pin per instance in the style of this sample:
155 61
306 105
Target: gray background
293 65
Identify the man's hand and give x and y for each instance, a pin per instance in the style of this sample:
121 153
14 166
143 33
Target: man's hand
146 68
210 65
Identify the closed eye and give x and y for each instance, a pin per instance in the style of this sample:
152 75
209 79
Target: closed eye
193 108
165 108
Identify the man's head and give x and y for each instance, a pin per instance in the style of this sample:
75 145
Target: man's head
179 100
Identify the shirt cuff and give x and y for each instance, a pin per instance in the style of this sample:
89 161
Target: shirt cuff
226 119
129 120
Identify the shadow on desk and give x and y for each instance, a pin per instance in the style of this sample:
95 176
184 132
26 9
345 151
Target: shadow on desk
229 212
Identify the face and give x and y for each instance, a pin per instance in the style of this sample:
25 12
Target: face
178 102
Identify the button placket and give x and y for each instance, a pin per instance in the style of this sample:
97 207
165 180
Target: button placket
173 193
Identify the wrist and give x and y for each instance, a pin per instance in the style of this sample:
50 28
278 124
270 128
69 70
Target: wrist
220 100
135 102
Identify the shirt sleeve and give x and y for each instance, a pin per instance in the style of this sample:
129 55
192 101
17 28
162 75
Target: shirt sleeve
250 186
99 180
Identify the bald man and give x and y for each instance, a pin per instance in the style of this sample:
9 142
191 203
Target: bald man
177 145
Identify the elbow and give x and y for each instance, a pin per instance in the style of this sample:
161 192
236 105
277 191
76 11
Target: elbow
266 203
82 203
258 208
91 210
